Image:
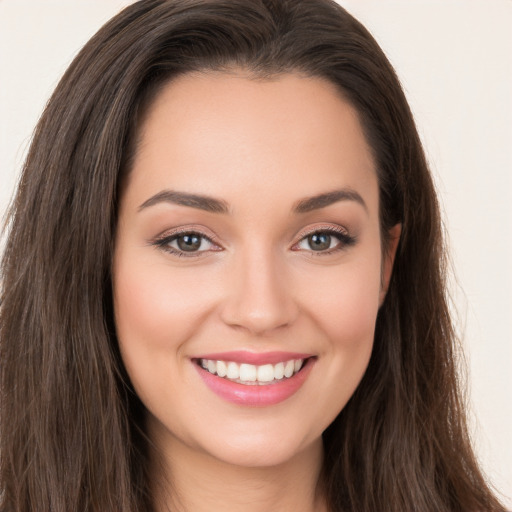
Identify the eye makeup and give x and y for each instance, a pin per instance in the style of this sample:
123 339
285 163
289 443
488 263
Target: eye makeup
324 240
188 242
191 241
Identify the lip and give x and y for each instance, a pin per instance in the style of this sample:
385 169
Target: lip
258 359
255 395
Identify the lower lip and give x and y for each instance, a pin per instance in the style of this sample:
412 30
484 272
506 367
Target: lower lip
257 395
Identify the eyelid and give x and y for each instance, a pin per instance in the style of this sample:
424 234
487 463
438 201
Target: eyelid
344 236
193 228
331 228
162 240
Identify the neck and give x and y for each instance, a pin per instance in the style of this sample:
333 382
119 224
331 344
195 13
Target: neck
198 482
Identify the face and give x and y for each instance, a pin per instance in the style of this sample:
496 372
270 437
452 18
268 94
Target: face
248 266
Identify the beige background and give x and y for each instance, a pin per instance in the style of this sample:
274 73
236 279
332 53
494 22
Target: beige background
454 60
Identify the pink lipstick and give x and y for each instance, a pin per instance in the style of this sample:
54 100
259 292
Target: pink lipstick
254 379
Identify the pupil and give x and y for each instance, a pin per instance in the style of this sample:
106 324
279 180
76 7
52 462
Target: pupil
189 242
319 241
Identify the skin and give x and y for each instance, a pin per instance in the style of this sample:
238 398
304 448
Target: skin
259 147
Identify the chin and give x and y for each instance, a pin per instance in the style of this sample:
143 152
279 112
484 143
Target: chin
261 455
260 448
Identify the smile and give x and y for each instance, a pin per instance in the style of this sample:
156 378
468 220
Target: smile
250 374
254 380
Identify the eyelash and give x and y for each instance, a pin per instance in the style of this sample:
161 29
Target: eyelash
345 240
165 241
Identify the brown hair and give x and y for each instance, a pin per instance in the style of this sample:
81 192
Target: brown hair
72 436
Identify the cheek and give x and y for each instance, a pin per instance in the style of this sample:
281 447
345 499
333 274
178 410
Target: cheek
344 307
156 311
153 305
345 302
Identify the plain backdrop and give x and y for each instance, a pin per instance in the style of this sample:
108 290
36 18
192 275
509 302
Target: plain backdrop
454 61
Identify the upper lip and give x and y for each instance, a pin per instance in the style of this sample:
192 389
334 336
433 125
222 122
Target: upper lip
255 358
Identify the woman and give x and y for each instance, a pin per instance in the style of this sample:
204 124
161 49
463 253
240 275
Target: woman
231 289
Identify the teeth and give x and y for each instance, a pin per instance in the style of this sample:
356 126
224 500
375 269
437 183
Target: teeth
222 369
279 371
288 368
265 373
212 367
248 372
233 371
252 374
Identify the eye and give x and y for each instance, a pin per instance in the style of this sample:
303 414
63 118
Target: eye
325 241
186 243
318 242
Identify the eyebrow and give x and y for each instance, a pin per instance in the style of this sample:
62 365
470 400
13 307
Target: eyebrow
206 203
213 205
309 204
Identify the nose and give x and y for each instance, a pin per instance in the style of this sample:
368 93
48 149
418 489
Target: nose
259 297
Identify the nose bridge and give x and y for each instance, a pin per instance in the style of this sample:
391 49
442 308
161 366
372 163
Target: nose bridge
259 299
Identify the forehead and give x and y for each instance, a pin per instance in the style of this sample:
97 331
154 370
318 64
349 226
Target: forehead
217 133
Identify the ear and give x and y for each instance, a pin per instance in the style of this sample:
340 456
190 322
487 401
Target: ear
388 260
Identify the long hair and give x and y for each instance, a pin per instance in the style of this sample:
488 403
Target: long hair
71 430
